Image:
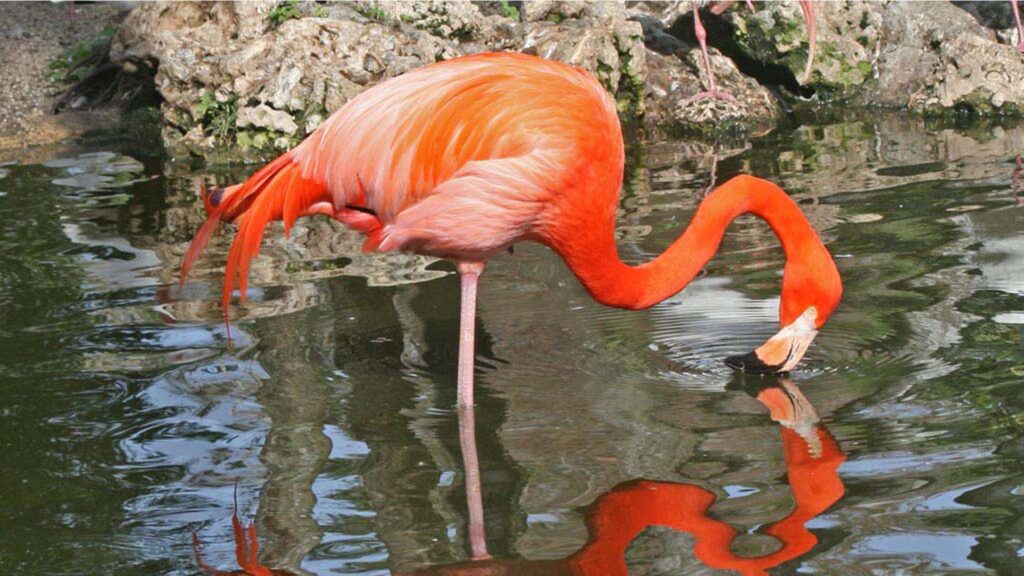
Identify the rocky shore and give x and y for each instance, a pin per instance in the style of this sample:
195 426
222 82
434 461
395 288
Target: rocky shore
34 34
247 80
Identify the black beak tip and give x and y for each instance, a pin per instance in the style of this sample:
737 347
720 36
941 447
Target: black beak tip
751 364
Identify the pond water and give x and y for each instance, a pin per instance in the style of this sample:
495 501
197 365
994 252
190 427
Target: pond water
132 433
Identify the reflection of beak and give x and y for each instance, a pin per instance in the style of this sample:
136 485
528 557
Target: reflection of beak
788 406
782 352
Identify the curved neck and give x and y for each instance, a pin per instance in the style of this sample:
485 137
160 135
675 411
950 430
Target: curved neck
810 278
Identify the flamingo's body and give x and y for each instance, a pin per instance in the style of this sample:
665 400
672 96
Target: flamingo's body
461 159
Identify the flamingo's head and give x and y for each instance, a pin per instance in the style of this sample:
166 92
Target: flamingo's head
811 289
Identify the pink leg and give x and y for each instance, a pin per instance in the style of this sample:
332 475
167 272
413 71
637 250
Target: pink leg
469 273
807 7
474 494
1020 29
702 37
719 8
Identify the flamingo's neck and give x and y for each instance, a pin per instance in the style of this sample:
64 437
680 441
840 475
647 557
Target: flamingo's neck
587 244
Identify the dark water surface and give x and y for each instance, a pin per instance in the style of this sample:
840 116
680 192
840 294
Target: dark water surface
126 422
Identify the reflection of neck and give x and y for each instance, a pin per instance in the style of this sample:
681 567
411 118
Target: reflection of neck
619 516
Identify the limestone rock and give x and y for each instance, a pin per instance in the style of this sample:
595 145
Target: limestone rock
264 116
303 68
848 34
595 36
942 59
673 79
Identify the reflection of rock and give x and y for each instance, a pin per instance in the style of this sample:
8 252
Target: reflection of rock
97 171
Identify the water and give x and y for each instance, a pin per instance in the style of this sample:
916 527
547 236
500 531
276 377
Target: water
127 425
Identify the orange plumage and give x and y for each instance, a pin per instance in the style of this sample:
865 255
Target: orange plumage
461 159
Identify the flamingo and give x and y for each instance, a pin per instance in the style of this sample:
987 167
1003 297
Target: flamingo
461 159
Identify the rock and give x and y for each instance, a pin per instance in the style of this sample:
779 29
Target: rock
595 36
675 72
614 52
942 59
230 73
671 80
264 74
264 116
665 13
848 34
302 69
442 18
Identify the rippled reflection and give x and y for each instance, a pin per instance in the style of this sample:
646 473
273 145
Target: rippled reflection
618 516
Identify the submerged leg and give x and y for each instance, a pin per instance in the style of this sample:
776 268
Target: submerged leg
469 273
474 492
702 39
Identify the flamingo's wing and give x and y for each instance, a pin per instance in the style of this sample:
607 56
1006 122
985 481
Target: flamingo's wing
405 139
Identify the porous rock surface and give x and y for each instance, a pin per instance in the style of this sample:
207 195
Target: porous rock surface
229 73
256 77
930 58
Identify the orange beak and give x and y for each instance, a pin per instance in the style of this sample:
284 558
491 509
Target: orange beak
782 352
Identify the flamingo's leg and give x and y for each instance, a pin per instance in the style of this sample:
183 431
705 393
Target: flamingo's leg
807 7
702 39
718 8
474 493
1020 29
469 274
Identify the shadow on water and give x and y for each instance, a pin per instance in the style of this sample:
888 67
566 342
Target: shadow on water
126 422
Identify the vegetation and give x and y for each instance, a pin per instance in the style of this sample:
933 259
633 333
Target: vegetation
374 13
82 61
88 78
509 11
217 118
287 10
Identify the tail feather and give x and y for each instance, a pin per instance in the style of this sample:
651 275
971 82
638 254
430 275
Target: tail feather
278 191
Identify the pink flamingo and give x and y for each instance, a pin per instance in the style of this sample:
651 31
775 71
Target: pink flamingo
462 159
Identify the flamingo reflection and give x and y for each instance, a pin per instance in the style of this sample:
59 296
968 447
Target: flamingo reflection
620 515
247 548
617 517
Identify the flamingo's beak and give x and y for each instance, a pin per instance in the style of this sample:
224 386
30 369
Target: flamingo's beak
782 352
